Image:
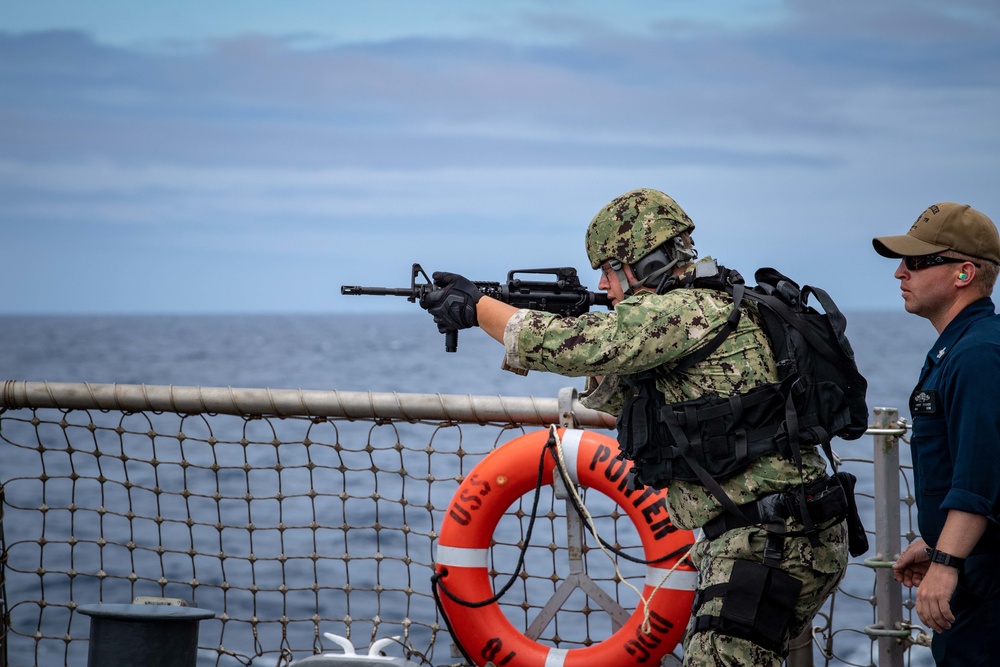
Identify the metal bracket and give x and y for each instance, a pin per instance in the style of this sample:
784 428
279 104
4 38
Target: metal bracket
575 531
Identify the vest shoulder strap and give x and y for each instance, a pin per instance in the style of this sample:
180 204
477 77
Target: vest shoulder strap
709 275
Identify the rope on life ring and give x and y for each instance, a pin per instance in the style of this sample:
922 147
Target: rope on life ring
469 604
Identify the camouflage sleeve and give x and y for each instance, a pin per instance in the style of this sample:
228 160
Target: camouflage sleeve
607 394
643 332
511 341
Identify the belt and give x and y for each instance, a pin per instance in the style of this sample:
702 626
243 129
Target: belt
781 506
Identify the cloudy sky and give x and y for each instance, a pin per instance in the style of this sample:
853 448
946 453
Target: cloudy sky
253 156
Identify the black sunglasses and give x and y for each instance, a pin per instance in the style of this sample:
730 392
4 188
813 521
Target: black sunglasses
923 261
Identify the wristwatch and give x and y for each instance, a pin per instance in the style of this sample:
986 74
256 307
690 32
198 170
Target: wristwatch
945 558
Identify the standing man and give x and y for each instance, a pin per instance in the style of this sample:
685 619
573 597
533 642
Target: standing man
761 581
950 259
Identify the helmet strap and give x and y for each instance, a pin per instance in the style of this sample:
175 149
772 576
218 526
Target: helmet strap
623 280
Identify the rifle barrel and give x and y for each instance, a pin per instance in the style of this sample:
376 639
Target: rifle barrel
357 290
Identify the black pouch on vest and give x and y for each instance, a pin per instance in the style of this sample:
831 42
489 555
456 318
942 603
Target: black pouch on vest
857 538
758 604
641 436
830 503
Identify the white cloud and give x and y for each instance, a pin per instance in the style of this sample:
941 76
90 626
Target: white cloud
791 139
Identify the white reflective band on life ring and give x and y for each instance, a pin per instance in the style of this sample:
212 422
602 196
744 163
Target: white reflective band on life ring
556 657
462 557
571 452
678 580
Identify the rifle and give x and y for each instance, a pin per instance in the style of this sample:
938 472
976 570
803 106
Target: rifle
564 295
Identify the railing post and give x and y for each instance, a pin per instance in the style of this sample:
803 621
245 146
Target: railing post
4 629
800 652
888 592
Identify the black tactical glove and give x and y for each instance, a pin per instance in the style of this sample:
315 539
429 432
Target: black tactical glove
453 303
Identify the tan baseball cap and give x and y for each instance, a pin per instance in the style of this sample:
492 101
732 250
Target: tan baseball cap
945 226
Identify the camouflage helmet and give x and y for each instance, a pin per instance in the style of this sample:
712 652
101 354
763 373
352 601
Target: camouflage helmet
633 225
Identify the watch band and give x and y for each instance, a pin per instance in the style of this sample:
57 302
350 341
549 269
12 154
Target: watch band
945 558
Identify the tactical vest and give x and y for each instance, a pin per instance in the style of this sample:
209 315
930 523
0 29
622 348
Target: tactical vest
820 393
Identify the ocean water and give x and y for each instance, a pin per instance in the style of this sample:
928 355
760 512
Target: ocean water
401 353
381 353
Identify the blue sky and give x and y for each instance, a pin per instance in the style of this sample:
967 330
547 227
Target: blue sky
247 156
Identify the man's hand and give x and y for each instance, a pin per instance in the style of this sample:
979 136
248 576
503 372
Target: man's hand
936 584
911 566
934 597
453 303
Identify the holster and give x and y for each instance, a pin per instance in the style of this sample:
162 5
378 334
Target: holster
857 538
758 604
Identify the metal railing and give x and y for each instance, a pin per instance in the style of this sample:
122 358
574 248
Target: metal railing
291 513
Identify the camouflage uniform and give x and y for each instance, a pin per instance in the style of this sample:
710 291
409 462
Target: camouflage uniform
649 331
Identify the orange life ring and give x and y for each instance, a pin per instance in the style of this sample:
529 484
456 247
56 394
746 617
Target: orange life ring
496 483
